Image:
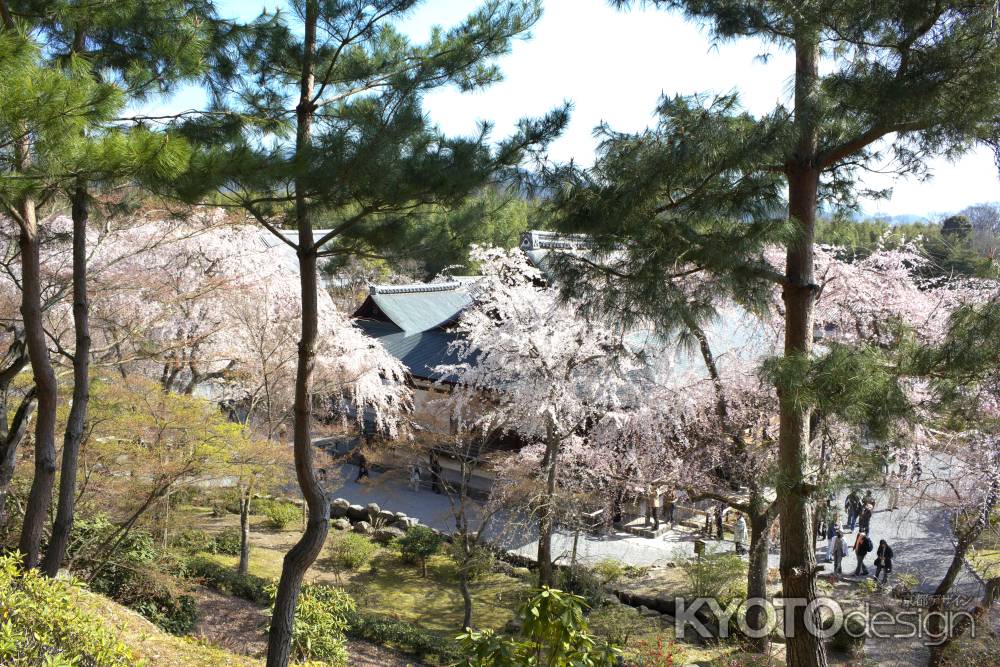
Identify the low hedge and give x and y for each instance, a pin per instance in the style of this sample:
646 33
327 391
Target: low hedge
227 580
402 636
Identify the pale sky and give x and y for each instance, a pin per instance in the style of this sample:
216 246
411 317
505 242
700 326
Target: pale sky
613 66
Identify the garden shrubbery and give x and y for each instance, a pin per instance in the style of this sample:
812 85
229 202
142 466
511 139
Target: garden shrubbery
227 580
721 576
44 625
350 552
132 574
418 544
320 622
227 542
280 513
403 636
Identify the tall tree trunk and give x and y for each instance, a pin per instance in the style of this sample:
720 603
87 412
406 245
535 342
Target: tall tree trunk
77 419
463 587
244 565
10 440
798 559
304 553
760 524
545 519
40 497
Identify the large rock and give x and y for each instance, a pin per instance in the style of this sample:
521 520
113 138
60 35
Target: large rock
408 522
338 508
373 510
363 527
385 518
341 524
646 612
357 513
386 535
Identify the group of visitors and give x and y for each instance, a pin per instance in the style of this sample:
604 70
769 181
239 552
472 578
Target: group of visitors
417 474
859 513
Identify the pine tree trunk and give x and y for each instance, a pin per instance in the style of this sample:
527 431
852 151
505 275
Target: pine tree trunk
40 497
304 553
11 440
244 565
545 520
798 559
77 419
760 523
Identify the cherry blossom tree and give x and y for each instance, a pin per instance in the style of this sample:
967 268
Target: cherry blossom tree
532 367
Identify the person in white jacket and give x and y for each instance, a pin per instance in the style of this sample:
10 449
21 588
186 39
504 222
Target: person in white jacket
740 534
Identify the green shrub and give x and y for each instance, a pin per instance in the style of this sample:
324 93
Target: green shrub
279 513
481 561
227 542
721 576
41 623
227 580
554 632
402 636
351 552
583 582
320 622
133 573
609 570
193 540
418 544
617 623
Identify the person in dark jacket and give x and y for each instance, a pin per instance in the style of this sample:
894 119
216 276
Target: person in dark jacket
865 520
862 547
853 508
883 561
362 467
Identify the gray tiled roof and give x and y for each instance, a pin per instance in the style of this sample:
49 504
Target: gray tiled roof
419 308
419 352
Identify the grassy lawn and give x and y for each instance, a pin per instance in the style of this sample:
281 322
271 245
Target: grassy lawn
385 586
393 588
986 562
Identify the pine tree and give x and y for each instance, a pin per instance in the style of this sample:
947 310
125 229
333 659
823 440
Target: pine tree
701 193
320 121
142 49
44 109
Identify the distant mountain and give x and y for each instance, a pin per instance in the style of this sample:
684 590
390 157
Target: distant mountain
906 218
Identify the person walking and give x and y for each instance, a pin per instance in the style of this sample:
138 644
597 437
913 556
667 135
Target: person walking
865 520
883 561
869 499
892 502
669 503
740 534
362 468
652 511
839 551
853 508
862 547
832 529
435 474
414 477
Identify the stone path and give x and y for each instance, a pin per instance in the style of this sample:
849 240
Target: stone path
919 533
389 491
